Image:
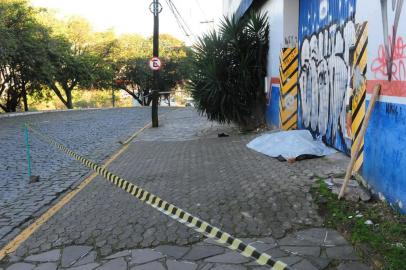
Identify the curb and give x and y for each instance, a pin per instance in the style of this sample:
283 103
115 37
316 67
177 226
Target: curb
17 114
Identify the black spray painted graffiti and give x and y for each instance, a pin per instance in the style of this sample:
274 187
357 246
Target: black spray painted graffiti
390 48
324 80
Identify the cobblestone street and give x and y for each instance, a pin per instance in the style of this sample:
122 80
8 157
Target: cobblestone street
220 180
93 133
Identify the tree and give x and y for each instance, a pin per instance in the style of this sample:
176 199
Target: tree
229 67
80 59
40 53
23 59
133 73
69 71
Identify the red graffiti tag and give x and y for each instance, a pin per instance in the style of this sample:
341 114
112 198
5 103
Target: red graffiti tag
380 64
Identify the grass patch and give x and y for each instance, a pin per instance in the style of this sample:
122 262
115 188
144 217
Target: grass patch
382 244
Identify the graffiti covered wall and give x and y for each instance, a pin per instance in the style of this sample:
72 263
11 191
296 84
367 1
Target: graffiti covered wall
389 62
345 48
326 38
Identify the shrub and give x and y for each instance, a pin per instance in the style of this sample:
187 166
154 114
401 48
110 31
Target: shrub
229 66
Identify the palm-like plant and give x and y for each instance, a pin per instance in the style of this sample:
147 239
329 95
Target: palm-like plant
229 67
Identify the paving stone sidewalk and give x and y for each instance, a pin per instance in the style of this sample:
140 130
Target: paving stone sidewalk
310 249
219 180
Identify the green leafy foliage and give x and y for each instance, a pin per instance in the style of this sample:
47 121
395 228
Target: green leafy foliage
229 67
133 72
23 56
382 244
80 58
40 53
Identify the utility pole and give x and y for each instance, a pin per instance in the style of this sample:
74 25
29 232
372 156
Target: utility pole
155 8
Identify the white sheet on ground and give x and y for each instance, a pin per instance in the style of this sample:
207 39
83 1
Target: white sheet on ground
290 144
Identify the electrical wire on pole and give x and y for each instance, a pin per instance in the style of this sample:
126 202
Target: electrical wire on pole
201 9
179 19
180 16
206 20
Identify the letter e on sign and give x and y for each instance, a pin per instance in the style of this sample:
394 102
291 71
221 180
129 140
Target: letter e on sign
155 63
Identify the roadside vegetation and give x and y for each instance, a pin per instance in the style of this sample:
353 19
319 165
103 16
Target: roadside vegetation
229 69
81 99
377 232
42 55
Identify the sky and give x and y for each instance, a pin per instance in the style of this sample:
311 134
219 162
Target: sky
133 16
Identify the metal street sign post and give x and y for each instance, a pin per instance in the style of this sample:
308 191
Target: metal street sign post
155 8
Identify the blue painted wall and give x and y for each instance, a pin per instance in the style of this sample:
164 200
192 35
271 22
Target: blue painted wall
385 153
385 142
272 110
332 11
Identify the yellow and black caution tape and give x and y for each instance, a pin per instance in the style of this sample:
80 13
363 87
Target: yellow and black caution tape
172 211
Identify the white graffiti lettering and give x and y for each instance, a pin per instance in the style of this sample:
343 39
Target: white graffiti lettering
325 72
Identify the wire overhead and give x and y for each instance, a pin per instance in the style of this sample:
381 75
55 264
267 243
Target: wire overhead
179 19
201 9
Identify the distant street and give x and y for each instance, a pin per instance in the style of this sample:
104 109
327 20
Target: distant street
93 133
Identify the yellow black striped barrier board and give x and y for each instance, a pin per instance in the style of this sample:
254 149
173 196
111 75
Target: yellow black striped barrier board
288 73
359 91
171 210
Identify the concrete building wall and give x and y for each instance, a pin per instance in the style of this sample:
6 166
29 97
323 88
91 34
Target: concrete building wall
238 7
275 10
290 23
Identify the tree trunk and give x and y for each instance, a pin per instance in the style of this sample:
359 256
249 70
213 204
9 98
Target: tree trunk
12 104
24 94
113 98
3 108
69 103
257 118
58 93
134 96
148 99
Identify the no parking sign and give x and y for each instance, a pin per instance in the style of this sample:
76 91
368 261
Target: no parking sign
155 63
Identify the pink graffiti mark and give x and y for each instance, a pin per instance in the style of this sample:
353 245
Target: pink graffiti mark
380 64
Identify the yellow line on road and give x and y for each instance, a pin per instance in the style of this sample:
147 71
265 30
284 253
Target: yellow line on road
26 233
145 127
126 142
